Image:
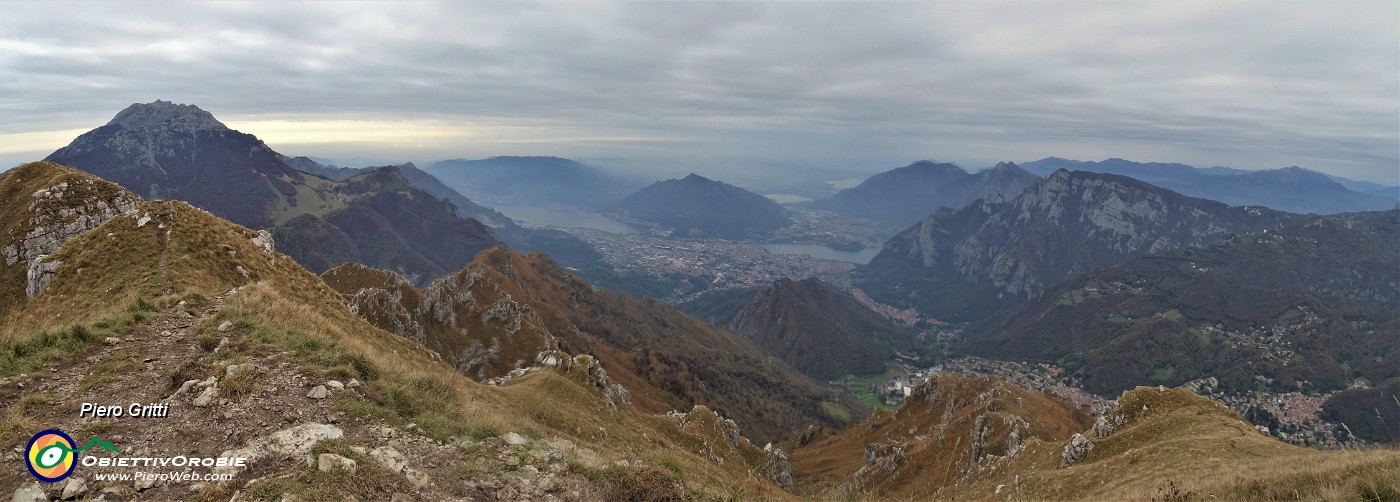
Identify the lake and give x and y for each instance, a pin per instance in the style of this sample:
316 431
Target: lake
861 257
565 218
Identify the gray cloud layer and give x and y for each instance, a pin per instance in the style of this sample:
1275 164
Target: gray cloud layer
864 86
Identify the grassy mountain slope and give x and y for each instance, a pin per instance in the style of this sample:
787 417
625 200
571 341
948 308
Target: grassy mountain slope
164 287
815 328
504 308
1174 445
387 222
951 426
176 248
36 219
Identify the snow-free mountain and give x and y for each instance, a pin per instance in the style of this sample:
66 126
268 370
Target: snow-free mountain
901 197
961 264
1291 189
696 206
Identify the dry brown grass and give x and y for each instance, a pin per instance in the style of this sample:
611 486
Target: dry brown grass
110 268
641 484
414 386
15 425
185 253
943 417
1185 447
17 187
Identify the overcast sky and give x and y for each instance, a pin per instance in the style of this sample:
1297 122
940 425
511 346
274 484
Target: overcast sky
732 87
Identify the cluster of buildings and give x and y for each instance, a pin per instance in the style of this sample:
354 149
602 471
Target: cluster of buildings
1272 342
717 262
814 226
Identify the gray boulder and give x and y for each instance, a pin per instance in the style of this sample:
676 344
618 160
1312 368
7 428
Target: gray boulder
1075 451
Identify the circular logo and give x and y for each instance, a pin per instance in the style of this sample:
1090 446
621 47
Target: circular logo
51 456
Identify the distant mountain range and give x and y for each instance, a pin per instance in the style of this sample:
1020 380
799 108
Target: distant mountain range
106 297
550 181
901 197
962 264
1291 189
395 217
169 151
1392 191
815 328
696 206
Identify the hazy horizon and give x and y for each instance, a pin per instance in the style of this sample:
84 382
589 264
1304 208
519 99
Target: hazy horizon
732 90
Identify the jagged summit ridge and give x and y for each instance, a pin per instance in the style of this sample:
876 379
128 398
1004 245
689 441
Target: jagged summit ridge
180 116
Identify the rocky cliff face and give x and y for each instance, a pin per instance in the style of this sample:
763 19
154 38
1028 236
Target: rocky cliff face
962 264
46 206
163 150
472 323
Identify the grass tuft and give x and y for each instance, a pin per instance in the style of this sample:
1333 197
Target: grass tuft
192 369
241 384
483 431
640 484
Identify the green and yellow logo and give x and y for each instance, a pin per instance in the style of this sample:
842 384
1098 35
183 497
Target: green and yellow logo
52 454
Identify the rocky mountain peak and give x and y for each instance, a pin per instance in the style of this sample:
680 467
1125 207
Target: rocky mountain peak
188 117
1061 226
1061 175
695 178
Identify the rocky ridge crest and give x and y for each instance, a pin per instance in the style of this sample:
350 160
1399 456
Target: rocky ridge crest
960 264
